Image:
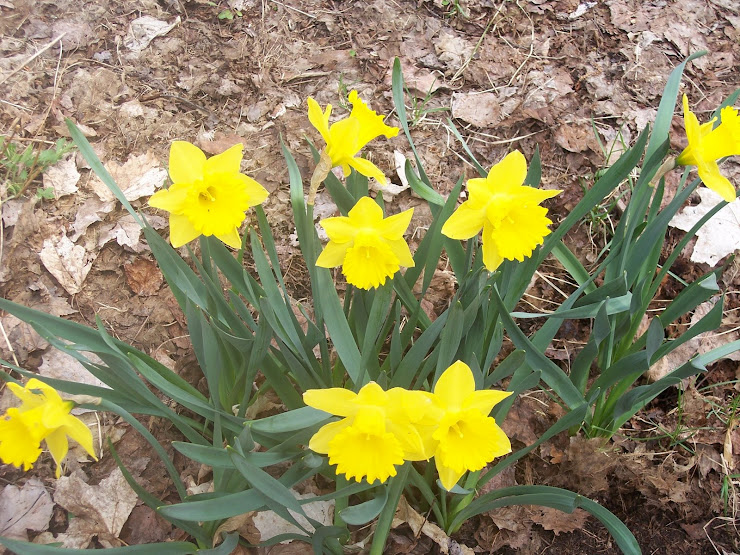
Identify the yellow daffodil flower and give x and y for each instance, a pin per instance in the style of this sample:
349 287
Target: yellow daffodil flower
346 137
708 144
377 432
207 196
42 416
506 210
369 248
467 438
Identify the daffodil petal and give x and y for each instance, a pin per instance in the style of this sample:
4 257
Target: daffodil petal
401 249
366 212
78 431
393 227
181 230
229 161
368 169
319 442
712 178
512 169
172 199
187 162
455 385
484 400
339 228
492 258
58 446
448 476
465 222
319 119
232 238
335 400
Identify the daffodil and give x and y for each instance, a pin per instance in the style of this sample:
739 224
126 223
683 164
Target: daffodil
42 416
507 211
346 137
378 431
466 437
369 248
207 196
707 144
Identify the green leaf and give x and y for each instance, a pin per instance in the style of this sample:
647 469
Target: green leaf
164 548
291 421
363 513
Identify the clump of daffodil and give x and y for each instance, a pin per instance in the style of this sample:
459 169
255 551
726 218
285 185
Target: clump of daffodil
369 248
42 416
506 210
378 432
345 138
707 144
207 196
465 436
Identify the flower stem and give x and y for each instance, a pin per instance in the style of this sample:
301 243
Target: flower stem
319 174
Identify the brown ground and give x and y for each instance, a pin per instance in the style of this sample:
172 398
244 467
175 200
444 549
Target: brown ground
511 74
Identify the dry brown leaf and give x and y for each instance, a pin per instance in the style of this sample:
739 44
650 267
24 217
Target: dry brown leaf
559 521
22 509
126 231
59 365
405 514
139 176
143 30
143 276
99 510
62 177
479 109
67 262
270 524
92 210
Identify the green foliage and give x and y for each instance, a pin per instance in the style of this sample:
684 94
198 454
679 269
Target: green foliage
21 166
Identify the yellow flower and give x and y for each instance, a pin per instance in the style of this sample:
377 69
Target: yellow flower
207 196
42 416
707 145
346 137
467 438
506 210
377 432
369 248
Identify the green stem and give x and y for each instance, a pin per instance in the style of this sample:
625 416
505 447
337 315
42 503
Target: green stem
383 528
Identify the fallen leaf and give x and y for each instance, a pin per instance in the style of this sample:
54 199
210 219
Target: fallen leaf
92 210
576 138
59 365
559 521
126 232
405 514
452 50
720 236
140 176
143 277
143 30
67 262
99 510
479 109
62 177
270 524
22 509
11 210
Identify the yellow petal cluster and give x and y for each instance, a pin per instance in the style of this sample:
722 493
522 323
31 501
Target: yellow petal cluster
42 416
707 144
369 248
506 210
207 196
346 137
381 429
